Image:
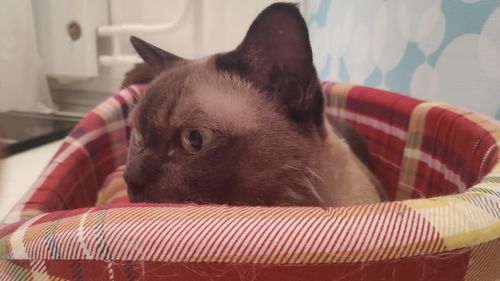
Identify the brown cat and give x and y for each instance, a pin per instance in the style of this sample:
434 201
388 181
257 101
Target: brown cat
245 127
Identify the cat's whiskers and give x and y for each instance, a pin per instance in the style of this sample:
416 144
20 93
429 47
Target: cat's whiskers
311 188
286 166
315 175
306 181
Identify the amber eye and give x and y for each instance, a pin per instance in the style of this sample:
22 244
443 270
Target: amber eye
193 140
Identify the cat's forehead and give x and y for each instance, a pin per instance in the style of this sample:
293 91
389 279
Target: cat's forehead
199 95
225 102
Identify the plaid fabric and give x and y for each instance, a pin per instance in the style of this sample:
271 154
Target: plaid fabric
88 155
113 190
454 237
381 118
448 150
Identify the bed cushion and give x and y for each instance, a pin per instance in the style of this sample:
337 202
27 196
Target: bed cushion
440 163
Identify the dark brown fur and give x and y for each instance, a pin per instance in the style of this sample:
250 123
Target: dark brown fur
263 103
140 74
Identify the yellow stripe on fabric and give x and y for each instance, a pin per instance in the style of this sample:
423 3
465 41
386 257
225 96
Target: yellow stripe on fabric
495 172
473 237
411 152
113 187
459 222
338 98
485 122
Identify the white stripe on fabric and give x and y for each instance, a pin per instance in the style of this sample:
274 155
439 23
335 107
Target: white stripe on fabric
435 164
371 122
18 249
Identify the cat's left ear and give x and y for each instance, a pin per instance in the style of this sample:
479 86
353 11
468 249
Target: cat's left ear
156 58
276 57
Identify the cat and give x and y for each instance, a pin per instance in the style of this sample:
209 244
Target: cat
245 127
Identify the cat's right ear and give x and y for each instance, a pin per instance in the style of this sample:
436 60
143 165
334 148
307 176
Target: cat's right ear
157 59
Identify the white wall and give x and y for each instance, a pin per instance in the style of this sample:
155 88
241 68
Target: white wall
22 79
62 54
208 27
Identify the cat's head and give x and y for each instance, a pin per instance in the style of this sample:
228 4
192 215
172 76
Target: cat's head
243 127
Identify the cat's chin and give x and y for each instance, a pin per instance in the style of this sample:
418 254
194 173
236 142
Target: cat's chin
136 196
136 199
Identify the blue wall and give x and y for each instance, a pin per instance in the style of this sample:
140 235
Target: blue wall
447 51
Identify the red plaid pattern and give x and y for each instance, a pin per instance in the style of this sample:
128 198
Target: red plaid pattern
418 149
382 118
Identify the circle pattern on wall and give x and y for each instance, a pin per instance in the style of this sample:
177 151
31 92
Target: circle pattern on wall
420 48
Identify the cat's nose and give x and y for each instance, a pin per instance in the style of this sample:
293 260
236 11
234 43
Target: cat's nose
140 177
135 183
132 178
142 172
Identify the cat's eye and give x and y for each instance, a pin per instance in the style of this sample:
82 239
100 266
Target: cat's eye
193 140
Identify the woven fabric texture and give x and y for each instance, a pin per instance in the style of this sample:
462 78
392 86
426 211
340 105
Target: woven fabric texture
441 163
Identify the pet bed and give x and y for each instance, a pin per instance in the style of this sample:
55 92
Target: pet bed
439 163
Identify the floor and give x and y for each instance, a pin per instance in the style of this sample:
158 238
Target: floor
19 171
